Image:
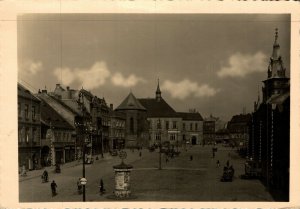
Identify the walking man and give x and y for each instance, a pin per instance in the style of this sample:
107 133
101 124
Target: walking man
53 188
102 190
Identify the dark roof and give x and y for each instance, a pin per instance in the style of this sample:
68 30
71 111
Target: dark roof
158 108
130 103
190 116
242 118
222 131
25 93
48 114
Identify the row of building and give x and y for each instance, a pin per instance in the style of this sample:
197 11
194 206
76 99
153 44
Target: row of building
49 129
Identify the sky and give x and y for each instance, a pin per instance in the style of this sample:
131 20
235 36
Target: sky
214 63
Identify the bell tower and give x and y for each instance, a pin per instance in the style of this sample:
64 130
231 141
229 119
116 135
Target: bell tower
276 82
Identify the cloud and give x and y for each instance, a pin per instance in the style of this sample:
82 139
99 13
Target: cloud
95 76
90 78
241 65
119 80
30 67
186 88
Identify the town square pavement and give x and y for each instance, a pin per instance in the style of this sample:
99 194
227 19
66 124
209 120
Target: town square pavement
181 179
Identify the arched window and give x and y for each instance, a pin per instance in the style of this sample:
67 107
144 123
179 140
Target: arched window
131 125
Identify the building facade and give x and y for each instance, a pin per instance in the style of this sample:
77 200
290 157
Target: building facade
192 127
57 137
29 129
117 129
269 143
136 125
239 129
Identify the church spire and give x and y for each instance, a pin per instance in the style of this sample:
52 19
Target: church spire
158 92
276 68
276 47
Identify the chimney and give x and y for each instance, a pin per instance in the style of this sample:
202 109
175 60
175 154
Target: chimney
44 91
57 85
68 88
111 106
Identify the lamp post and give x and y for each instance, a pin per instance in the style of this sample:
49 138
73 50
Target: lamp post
83 125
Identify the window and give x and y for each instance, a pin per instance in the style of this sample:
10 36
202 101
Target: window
183 126
33 112
26 111
167 125
20 134
19 109
174 124
196 126
172 137
158 126
34 136
157 136
191 126
27 135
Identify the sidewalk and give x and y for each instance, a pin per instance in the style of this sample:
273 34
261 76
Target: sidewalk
37 173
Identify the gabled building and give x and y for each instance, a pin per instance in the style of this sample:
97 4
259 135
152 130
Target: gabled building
57 137
29 129
165 124
192 127
97 110
239 129
136 121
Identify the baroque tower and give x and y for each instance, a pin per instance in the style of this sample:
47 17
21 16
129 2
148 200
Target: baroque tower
277 82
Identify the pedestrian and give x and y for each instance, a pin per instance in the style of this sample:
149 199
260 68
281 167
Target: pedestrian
227 163
140 154
191 158
45 176
213 154
218 163
79 186
167 159
53 188
102 190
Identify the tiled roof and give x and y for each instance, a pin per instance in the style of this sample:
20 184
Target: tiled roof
190 116
158 108
130 103
242 118
48 114
25 93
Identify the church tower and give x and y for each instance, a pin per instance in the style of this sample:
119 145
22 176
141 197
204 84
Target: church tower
158 92
277 82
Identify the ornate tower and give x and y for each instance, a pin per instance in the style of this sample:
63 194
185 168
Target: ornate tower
158 92
277 82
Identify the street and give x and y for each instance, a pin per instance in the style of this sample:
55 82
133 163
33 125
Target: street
181 179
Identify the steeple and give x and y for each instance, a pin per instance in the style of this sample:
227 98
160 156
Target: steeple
276 83
276 68
158 92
